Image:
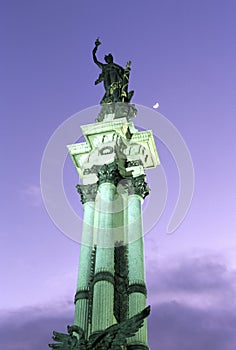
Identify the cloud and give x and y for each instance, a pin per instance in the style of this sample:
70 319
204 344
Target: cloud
193 302
180 316
31 328
202 281
32 195
172 326
175 326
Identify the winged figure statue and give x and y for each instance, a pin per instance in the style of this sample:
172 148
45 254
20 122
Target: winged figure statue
112 338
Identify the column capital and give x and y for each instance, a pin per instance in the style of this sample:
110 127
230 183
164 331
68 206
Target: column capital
137 185
87 192
109 173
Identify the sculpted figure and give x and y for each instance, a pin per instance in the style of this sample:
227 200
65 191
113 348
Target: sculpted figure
114 77
112 338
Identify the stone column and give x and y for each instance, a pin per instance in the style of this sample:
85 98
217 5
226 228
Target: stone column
138 190
103 283
81 317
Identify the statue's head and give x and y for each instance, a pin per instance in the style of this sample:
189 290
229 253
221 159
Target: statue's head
108 58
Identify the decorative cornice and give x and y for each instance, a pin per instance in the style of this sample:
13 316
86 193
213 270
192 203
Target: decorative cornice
81 294
137 185
131 163
93 170
87 192
109 173
137 288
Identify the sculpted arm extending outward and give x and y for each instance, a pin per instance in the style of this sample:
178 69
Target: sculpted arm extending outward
97 43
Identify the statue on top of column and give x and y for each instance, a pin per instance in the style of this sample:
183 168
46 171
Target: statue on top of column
114 77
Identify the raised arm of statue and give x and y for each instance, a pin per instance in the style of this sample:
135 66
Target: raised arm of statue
100 64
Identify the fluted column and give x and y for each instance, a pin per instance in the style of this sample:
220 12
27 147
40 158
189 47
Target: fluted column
81 317
138 189
103 283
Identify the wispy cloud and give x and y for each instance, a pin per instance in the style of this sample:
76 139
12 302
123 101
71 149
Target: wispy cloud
31 328
32 195
199 281
174 326
192 301
194 304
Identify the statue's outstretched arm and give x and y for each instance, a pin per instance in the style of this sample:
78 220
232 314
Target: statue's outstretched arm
100 64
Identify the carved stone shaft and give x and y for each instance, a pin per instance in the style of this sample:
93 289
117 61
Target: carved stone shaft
103 286
137 289
81 317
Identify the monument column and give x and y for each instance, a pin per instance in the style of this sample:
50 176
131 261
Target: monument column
137 190
103 281
81 317
110 301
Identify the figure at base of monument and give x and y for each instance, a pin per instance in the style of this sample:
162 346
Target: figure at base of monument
113 338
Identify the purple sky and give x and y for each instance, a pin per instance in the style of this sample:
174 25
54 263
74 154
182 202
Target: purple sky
183 55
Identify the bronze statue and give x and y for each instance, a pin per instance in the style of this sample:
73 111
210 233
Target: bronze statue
65 341
113 338
114 77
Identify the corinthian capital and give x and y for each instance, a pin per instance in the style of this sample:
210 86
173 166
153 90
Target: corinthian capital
87 192
109 173
137 185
